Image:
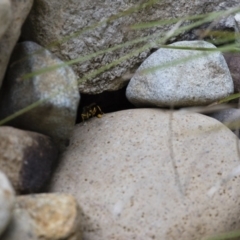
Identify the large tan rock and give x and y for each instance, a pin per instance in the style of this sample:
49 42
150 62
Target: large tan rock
138 175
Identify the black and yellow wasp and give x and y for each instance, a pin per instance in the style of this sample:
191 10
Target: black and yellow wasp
92 110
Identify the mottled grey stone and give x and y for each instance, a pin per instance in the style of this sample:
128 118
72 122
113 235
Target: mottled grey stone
55 90
80 29
181 77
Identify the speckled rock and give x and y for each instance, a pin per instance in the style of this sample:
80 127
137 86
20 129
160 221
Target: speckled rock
44 217
138 175
20 10
7 200
87 28
56 90
201 80
27 158
5 15
225 25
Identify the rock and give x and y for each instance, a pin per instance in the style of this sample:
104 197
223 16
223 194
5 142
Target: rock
233 62
20 9
5 16
44 217
56 90
201 80
229 117
237 24
136 176
88 28
7 199
221 33
27 158
237 18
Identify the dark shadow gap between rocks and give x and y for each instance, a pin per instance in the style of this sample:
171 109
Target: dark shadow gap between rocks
107 101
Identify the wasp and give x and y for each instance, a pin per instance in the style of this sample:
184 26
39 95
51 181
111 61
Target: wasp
91 111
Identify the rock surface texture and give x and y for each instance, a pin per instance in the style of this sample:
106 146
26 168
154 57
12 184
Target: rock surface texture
20 9
147 174
5 15
233 62
44 217
56 90
27 158
85 28
7 200
181 77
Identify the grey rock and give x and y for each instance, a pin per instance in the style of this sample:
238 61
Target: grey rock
181 77
7 200
44 217
229 117
20 9
221 32
27 158
56 90
5 15
85 28
136 176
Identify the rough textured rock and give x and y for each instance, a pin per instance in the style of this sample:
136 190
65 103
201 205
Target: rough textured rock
20 9
233 62
85 28
191 78
27 158
44 217
55 117
5 15
221 32
7 199
136 176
